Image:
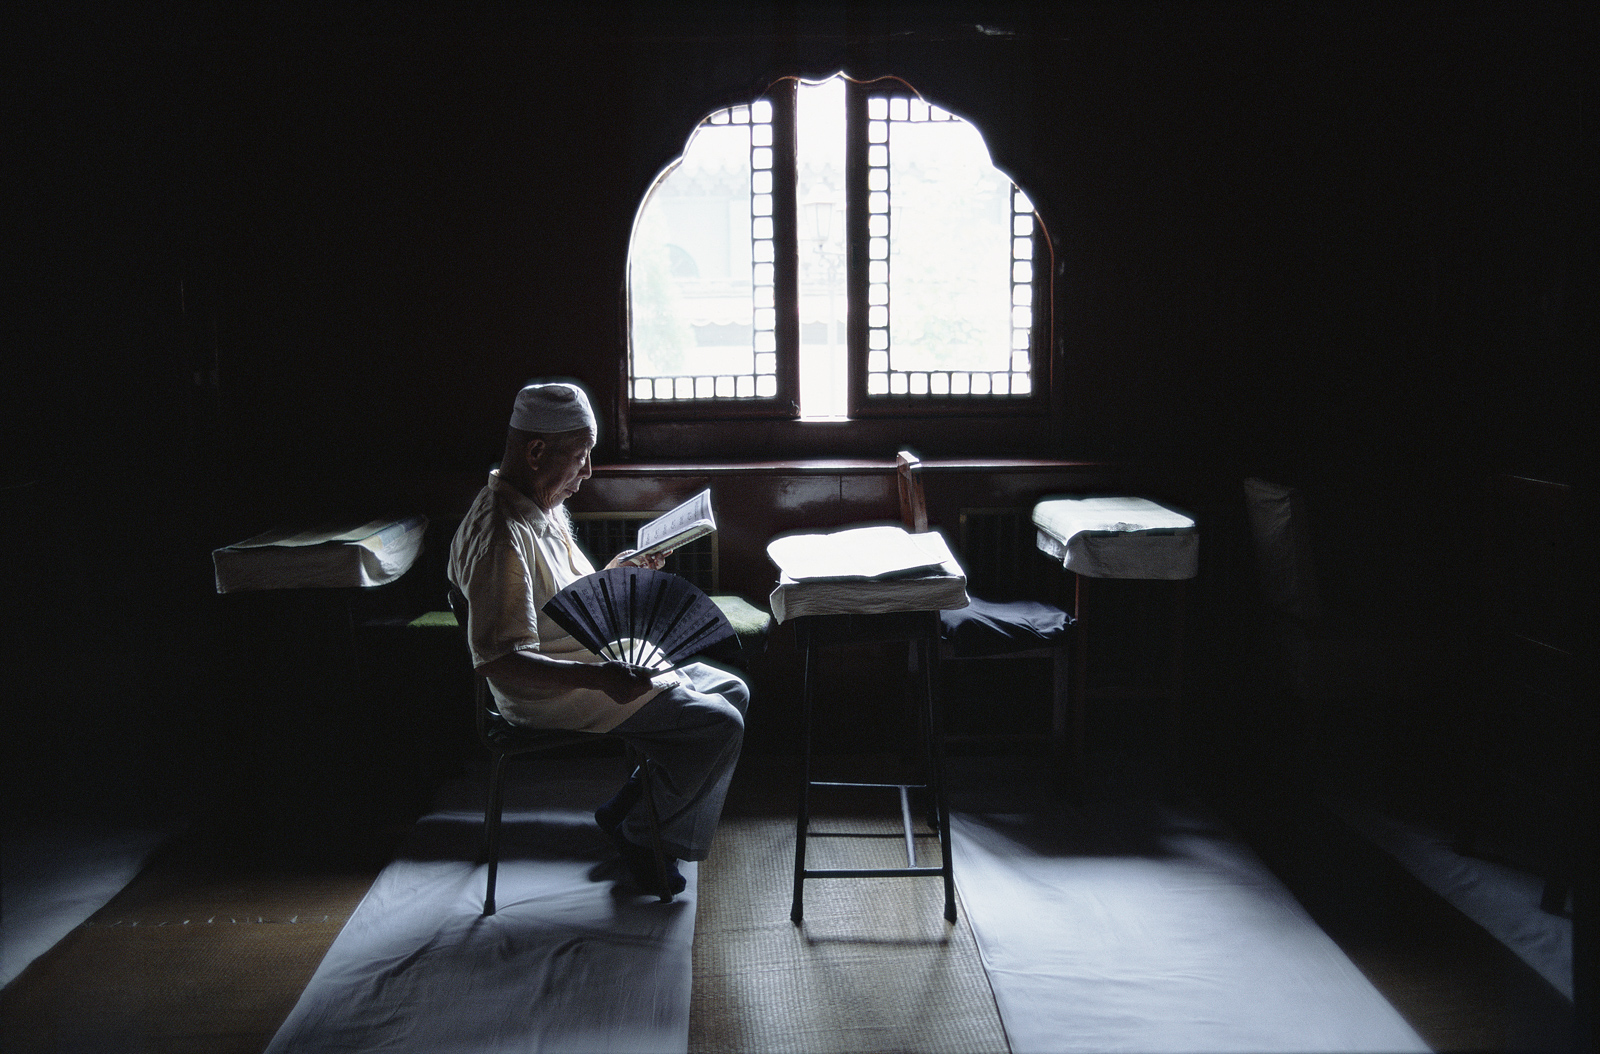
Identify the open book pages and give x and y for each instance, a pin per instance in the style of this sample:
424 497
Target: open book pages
693 519
339 555
859 552
864 571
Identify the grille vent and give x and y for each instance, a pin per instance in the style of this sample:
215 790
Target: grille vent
997 547
605 534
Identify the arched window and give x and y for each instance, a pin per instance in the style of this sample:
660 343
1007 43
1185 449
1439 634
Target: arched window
854 252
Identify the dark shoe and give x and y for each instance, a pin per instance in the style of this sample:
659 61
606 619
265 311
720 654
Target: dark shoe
640 860
610 815
641 863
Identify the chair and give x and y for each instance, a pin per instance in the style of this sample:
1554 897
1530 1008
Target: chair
504 740
1329 658
1009 630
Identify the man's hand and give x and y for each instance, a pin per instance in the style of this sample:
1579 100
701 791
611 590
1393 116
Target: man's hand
530 671
655 561
624 682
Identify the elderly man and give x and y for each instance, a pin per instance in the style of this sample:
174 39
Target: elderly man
512 553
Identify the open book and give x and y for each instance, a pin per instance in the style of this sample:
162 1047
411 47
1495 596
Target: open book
693 519
863 553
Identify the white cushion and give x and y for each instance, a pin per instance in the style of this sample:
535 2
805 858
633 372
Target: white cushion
1118 537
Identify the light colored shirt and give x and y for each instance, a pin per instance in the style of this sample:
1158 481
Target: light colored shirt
509 557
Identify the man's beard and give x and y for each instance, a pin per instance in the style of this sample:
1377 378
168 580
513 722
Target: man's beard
563 518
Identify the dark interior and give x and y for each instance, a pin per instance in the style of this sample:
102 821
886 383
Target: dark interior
288 262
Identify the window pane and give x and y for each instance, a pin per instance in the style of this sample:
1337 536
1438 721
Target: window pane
690 263
820 226
950 289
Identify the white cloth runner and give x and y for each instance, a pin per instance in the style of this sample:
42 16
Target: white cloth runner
1502 899
572 961
1153 931
1118 537
54 876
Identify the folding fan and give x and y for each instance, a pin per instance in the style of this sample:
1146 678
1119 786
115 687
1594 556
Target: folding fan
644 617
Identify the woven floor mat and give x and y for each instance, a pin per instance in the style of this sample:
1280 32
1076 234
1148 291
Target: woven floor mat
188 957
875 967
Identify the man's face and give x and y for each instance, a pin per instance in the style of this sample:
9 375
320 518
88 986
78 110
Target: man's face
561 467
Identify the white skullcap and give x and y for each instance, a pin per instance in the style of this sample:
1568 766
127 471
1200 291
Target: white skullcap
552 408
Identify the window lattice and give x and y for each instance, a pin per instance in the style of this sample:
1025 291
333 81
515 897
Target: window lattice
834 248
885 375
759 378
999 552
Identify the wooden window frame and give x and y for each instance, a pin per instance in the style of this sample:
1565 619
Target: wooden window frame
784 405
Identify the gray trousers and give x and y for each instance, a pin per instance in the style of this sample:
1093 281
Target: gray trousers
692 733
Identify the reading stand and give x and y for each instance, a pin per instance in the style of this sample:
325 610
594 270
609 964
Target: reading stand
1123 538
834 611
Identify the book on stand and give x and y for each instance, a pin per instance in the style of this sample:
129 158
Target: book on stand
865 570
329 556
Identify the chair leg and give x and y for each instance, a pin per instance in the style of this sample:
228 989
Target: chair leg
1066 724
491 826
919 667
648 778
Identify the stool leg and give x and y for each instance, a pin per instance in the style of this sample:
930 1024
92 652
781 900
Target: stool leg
1064 722
935 775
491 826
1080 686
918 668
1174 780
803 819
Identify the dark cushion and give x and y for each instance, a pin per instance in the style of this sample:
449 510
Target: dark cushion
987 627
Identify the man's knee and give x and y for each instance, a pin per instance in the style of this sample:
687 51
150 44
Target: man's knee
731 714
711 680
738 694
